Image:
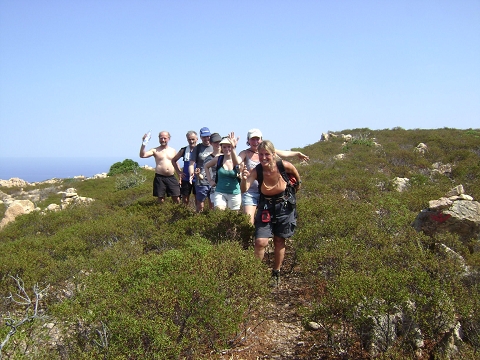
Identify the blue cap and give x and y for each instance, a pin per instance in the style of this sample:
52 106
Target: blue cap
204 132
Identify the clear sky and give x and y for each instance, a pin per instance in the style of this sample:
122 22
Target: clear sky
89 78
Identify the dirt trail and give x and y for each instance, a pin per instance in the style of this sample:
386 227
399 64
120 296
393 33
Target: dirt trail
277 331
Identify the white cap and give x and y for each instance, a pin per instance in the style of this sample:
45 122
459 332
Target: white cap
225 140
254 133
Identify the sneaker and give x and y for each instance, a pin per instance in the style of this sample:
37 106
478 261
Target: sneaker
275 279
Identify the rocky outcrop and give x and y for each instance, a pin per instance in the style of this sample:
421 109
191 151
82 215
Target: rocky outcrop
17 182
22 201
14 182
421 148
70 197
380 330
456 212
444 169
16 208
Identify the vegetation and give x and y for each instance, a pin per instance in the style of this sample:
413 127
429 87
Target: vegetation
126 166
128 278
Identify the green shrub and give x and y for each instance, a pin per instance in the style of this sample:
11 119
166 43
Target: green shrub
179 304
3 208
125 166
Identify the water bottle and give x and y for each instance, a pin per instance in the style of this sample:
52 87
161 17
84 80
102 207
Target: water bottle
147 139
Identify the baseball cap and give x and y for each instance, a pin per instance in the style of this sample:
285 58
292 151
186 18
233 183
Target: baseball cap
215 137
254 133
204 131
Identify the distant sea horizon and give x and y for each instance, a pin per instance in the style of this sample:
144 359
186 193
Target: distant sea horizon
40 169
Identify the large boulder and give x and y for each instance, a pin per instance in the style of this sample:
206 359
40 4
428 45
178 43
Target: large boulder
456 212
16 208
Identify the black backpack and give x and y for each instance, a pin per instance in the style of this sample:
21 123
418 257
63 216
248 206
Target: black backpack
219 165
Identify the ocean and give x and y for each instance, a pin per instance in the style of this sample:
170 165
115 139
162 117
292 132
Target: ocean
40 169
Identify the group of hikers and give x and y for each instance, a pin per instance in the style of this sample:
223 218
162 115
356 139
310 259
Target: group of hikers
256 180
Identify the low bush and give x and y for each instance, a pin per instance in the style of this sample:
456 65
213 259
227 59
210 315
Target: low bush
123 167
178 304
124 182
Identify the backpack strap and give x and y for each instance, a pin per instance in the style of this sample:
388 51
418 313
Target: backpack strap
259 169
219 165
197 152
281 169
183 149
283 172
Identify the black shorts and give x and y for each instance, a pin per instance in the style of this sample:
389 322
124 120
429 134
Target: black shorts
283 220
186 188
165 184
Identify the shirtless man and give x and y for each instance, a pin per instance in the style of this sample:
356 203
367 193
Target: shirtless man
165 180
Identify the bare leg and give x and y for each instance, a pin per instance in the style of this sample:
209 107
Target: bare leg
279 252
210 203
176 199
250 210
260 245
161 200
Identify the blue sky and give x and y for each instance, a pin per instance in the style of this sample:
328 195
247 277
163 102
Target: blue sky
89 78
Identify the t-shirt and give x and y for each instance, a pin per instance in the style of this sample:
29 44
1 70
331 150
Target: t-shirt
213 169
199 155
227 181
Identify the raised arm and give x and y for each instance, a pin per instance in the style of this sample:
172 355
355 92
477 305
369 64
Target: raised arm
247 179
290 154
236 159
143 153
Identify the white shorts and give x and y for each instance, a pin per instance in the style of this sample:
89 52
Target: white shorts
225 201
212 195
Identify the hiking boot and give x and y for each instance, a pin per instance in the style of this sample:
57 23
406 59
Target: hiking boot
275 279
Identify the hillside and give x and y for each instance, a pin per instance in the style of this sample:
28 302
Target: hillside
123 277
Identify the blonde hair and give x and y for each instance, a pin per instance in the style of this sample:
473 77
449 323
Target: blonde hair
268 146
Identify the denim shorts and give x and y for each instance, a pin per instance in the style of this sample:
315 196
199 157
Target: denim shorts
250 199
202 192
